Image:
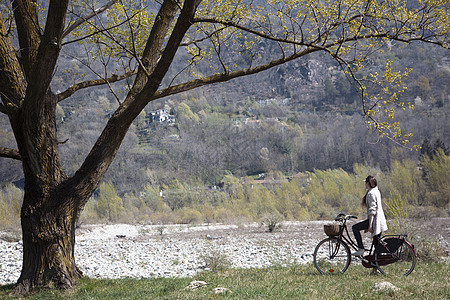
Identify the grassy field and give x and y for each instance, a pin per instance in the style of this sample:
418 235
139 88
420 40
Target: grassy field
428 281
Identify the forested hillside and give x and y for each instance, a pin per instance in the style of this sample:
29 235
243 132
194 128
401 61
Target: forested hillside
297 118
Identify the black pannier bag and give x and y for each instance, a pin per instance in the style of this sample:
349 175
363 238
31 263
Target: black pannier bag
388 245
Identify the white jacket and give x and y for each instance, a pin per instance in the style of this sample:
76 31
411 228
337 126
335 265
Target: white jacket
374 207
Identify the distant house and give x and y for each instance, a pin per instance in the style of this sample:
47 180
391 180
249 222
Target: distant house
162 116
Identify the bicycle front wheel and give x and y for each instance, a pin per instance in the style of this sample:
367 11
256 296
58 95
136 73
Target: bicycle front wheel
398 263
332 256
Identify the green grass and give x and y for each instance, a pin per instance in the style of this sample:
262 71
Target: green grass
428 281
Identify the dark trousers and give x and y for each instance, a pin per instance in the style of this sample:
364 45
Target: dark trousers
364 225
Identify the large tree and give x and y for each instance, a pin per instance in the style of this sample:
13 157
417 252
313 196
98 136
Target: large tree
222 39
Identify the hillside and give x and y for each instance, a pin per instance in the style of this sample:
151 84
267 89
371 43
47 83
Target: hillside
294 118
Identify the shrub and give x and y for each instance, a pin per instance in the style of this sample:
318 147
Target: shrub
162 218
436 171
272 221
160 229
427 249
109 205
396 212
214 259
89 213
11 199
189 216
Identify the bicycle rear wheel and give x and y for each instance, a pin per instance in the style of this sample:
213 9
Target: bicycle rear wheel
332 256
398 263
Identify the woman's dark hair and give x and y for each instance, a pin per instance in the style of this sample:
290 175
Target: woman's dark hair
372 181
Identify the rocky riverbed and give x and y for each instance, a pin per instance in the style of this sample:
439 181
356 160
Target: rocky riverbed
144 251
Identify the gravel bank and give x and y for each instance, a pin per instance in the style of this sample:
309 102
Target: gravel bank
117 251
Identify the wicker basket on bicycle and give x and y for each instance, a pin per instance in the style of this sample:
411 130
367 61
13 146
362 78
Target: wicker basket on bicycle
332 229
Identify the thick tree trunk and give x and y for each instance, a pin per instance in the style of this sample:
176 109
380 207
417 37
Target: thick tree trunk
48 247
50 207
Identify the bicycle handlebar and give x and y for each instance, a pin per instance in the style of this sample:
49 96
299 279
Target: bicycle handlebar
342 217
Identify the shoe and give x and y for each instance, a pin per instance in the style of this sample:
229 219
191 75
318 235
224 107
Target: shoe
375 272
359 252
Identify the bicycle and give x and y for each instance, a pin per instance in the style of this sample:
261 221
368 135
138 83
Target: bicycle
392 255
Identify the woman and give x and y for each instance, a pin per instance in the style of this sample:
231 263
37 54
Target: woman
376 221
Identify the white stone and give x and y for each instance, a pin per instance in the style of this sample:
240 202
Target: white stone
221 290
384 286
196 284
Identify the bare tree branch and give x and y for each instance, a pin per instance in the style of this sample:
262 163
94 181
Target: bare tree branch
206 37
90 83
105 67
82 20
247 29
183 87
10 153
94 33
